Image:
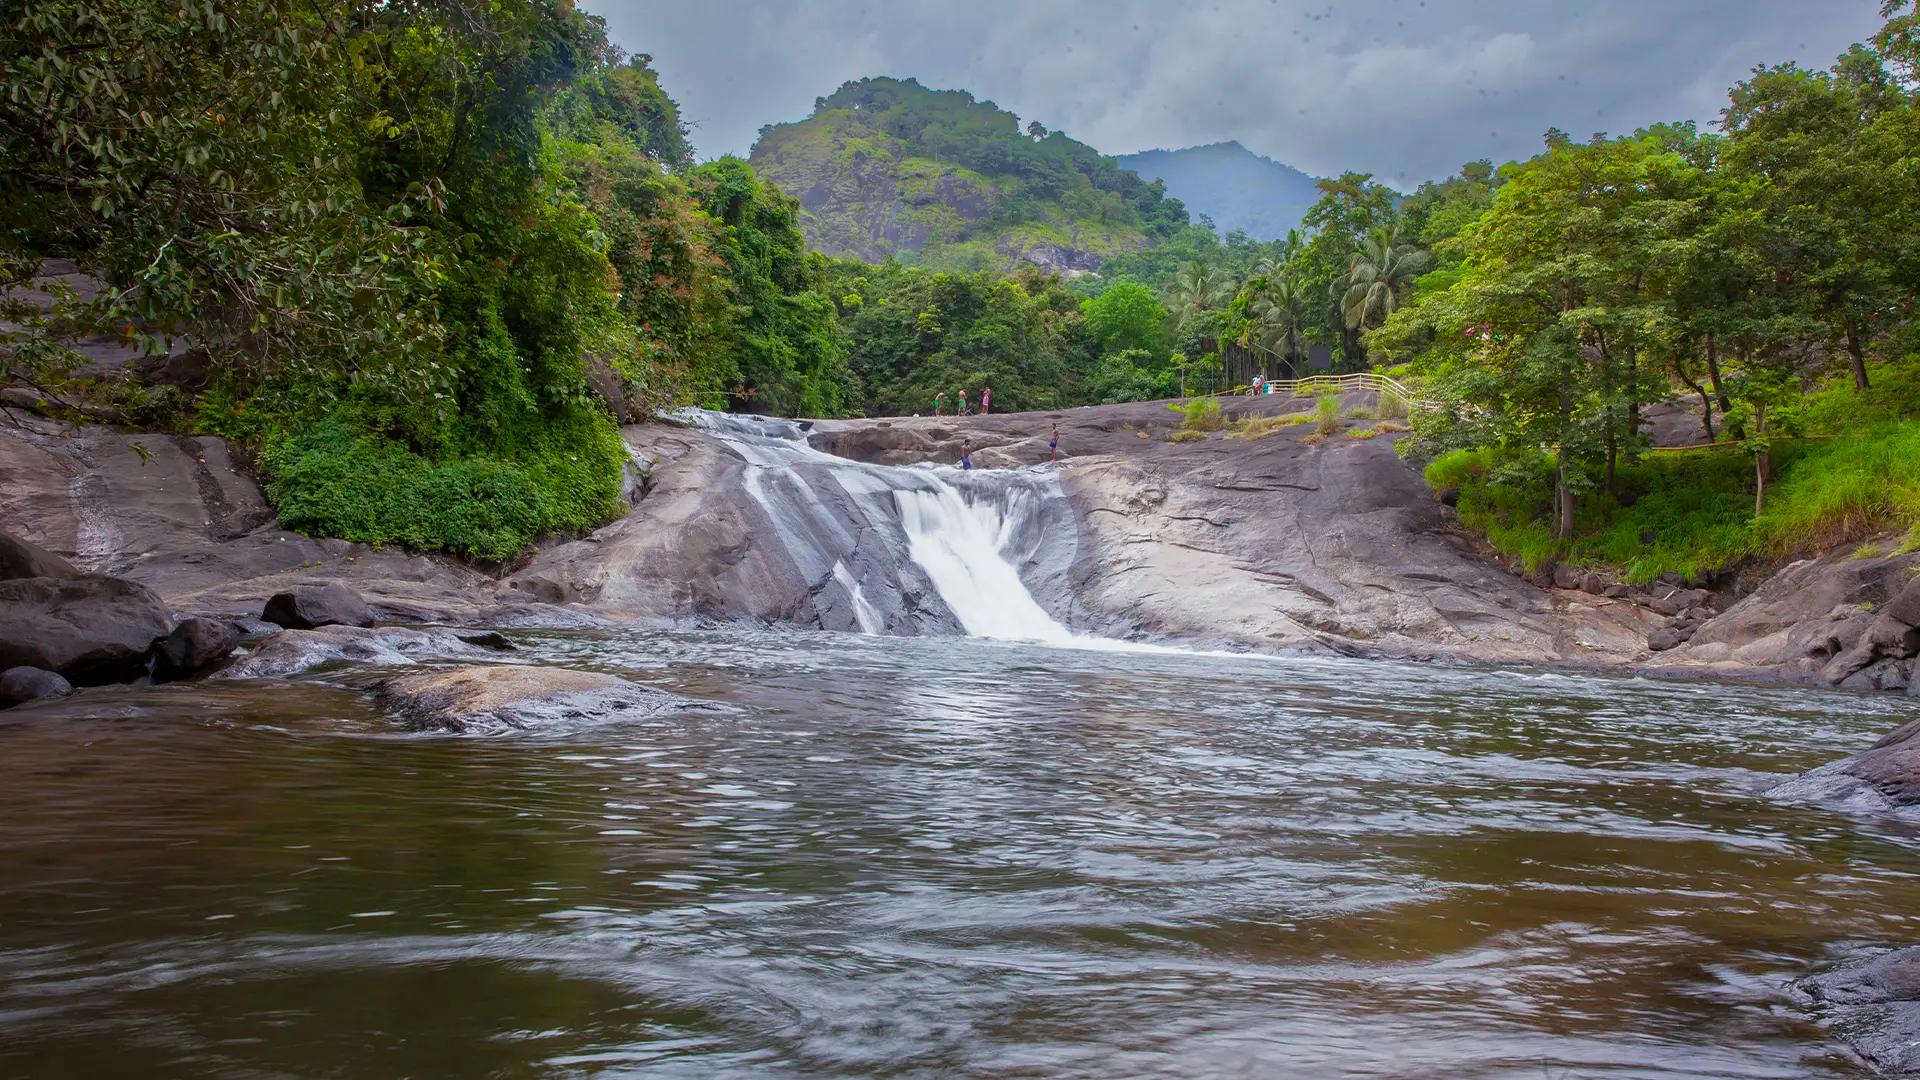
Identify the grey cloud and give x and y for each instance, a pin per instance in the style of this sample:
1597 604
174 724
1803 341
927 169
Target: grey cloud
1401 88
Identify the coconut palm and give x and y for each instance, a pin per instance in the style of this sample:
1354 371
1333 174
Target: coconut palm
1198 288
1381 270
1280 320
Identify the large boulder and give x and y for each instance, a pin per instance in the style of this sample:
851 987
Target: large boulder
308 606
194 645
20 685
1874 1005
92 630
501 697
19 559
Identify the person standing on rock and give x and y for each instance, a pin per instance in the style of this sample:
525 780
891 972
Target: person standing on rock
939 402
1053 444
963 411
966 455
986 400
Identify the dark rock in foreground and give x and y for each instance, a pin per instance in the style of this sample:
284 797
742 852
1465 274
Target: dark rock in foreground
1874 1005
19 559
91 630
194 644
20 685
511 697
1886 777
309 606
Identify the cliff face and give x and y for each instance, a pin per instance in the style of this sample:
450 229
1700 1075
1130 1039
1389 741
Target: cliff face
887 168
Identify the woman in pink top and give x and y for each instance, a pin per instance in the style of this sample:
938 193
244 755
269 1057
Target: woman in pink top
986 400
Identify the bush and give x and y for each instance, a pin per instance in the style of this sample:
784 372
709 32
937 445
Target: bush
1455 468
1326 413
337 479
1389 405
1202 414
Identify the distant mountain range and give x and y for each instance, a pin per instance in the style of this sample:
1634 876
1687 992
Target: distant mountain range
1231 184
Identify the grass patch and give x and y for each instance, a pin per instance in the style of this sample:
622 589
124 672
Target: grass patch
1363 433
1187 435
1260 427
1385 426
1389 405
1313 438
1326 414
1201 414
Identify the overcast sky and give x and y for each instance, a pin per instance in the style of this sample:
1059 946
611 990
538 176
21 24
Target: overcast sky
1406 89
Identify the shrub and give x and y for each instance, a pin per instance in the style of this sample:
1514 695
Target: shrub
1313 438
337 479
1202 414
1326 413
1455 468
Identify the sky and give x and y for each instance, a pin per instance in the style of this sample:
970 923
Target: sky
1404 89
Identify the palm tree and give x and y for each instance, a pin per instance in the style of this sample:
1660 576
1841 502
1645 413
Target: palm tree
1196 289
1381 270
1280 321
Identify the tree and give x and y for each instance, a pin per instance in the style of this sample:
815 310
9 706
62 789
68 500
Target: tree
1125 317
1280 320
1382 269
1036 130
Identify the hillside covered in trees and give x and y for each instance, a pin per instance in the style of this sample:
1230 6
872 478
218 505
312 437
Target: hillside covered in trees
887 167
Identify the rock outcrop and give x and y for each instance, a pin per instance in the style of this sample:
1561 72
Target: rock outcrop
292 652
495 698
89 630
1874 1005
19 559
195 644
306 607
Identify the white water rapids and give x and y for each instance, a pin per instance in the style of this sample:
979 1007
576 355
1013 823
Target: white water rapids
855 524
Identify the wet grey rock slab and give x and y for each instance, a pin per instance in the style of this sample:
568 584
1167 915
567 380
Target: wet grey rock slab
504 697
1873 1004
292 652
19 559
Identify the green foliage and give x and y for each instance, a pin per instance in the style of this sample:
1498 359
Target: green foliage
1362 433
339 479
1326 413
1187 435
1123 376
1200 414
1126 316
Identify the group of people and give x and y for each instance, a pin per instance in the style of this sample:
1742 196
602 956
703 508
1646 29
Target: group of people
986 403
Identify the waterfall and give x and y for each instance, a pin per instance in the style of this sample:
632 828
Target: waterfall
865 533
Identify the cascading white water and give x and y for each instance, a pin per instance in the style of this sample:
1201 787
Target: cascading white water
963 531
962 546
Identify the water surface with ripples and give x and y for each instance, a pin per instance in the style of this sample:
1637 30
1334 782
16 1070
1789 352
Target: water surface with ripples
941 856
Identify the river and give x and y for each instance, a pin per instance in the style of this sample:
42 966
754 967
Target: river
940 856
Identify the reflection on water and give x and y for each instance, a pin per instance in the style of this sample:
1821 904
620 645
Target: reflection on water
940 857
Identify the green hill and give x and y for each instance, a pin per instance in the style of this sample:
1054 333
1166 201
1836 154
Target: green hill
886 167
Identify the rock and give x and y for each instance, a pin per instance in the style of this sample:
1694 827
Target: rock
1891 637
193 645
1566 577
502 697
488 639
1593 583
92 630
1905 606
1448 496
1885 777
1663 605
1664 639
309 606
19 685
290 652
1617 591
1874 1006
19 559
1880 675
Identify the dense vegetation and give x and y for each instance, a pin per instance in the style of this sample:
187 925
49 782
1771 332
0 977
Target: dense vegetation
888 167
1766 272
408 242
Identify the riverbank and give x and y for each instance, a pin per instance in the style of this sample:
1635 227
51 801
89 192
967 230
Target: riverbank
1290 540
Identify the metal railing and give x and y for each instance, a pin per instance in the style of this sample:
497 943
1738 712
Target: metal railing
1365 381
